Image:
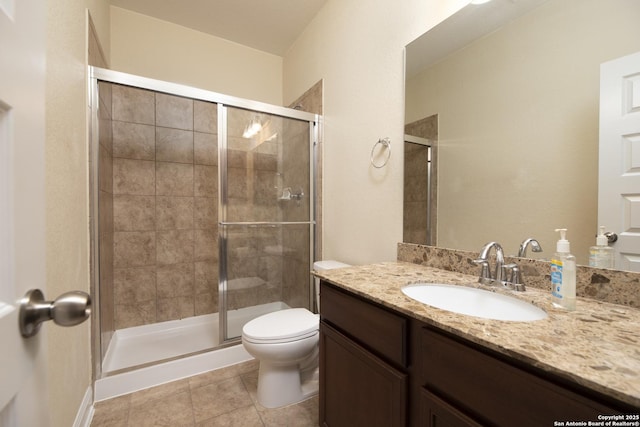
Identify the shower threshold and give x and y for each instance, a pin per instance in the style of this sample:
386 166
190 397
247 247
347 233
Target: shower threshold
141 345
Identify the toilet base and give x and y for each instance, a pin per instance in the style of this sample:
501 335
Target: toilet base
282 385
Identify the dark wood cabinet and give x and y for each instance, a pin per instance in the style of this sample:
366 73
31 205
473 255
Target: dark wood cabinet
495 392
359 389
435 412
381 368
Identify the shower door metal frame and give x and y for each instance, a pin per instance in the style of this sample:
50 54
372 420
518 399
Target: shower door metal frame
223 197
97 74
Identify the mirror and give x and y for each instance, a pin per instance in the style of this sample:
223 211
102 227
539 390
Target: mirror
513 90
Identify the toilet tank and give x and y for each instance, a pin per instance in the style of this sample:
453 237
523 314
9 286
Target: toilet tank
321 266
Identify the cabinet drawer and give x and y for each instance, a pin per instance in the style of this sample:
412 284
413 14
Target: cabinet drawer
495 391
375 328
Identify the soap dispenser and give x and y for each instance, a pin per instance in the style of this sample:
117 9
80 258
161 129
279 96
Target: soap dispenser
563 274
601 255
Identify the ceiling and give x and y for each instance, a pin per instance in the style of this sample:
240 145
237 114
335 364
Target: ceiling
267 25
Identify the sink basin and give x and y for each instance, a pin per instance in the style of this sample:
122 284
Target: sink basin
474 302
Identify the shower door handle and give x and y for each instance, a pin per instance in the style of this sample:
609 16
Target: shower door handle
69 309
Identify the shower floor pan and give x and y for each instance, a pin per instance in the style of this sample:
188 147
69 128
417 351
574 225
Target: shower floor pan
146 344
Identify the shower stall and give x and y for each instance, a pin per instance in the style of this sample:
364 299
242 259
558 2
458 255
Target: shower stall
203 217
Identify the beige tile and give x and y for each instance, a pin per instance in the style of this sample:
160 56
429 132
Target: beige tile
174 213
206 277
133 141
303 414
237 158
175 280
206 303
134 248
206 213
265 162
162 391
206 181
174 179
205 116
219 398
266 192
172 411
175 308
112 412
133 213
206 245
205 147
175 246
222 374
105 171
174 112
133 105
241 417
238 182
174 145
105 213
141 313
133 285
134 177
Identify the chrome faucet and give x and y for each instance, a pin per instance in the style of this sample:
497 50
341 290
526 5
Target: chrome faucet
535 247
486 277
501 269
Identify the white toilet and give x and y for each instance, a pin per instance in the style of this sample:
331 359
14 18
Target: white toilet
285 343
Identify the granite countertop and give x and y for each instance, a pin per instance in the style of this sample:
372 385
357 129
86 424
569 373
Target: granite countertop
597 346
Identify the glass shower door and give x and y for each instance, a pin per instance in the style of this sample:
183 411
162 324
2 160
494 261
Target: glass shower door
266 215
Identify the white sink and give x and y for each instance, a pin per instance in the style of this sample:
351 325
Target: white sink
474 302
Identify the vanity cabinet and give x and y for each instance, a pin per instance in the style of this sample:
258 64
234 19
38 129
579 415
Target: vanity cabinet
362 356
473 386
379 367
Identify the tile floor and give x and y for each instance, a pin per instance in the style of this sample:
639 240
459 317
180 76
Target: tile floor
225 397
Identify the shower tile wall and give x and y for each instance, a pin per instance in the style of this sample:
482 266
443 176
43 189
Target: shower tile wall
264 262
105 215
295 164
164 207
158 209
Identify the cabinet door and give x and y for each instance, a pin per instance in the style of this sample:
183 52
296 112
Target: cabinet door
435 412
357 388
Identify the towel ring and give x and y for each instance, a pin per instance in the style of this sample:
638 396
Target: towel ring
386 143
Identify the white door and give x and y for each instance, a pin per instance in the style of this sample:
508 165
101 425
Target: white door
23 368
619 172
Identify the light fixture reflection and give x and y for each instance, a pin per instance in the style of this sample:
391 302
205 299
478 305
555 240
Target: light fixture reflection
252 128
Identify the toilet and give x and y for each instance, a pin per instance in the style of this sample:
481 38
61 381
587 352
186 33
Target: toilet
285 343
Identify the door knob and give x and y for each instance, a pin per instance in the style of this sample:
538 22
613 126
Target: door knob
69 309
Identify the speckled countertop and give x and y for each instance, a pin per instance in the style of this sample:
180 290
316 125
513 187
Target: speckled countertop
598 345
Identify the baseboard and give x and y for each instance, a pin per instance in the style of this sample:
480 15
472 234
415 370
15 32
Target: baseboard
85 412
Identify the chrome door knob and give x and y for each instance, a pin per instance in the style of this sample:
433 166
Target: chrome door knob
69 309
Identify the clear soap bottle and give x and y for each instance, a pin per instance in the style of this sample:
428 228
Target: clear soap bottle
601 255
563 274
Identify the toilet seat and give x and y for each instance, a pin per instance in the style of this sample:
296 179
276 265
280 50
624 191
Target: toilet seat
281 326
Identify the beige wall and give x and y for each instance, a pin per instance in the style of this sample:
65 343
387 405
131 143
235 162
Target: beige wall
157 49
538 169
358 52
69 352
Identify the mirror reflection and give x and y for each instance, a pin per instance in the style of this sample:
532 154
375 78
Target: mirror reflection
514 119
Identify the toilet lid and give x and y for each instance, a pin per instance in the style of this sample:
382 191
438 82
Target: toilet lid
293 323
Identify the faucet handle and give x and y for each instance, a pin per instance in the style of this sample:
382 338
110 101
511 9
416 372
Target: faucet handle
515 280
485 274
